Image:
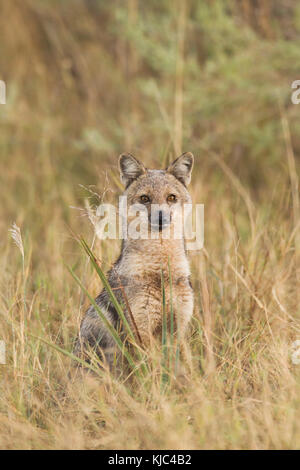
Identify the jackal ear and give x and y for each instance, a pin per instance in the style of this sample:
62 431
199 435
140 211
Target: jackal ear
130 168
182 168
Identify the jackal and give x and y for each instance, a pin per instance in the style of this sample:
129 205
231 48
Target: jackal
137 274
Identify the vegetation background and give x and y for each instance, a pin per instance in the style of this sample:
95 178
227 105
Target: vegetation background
87 80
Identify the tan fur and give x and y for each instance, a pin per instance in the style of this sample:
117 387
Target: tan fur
147 258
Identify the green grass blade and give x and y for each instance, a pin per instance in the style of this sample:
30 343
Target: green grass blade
109 326
108 288
69 354
171 318
164 334
115 303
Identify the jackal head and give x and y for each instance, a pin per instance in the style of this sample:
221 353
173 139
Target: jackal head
159 193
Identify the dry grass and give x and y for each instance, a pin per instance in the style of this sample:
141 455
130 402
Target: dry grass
60 129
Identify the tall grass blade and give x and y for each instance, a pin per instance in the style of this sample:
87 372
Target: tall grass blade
164 376
171 318
107 288
109 326
115 303
69 354
16 235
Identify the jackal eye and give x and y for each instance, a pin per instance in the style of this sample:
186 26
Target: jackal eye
171 198
145 199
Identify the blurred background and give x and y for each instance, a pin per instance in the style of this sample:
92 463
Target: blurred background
88 79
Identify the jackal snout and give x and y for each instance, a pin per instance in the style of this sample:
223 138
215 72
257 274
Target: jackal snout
160 218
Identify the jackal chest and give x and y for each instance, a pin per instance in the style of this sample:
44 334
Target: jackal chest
150 295
158 280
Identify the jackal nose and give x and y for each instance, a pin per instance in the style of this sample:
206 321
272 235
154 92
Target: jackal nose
159 220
